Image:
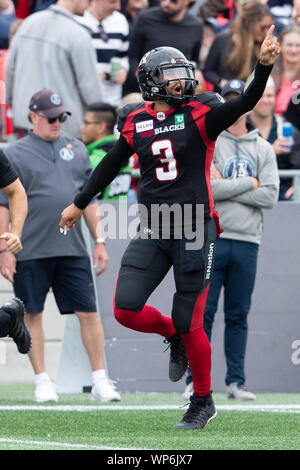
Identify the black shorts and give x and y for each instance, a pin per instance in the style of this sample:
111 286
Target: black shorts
146 262
70 278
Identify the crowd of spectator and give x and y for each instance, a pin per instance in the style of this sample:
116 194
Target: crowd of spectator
88 51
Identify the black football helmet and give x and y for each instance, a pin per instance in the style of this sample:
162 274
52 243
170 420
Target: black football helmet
158 68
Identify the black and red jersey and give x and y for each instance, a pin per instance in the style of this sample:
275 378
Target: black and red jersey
174 148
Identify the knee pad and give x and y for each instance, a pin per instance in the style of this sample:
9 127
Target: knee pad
127 296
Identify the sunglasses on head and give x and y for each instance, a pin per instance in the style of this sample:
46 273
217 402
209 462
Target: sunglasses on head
62 118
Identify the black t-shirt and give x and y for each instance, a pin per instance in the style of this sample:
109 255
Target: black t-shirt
7 173
154 29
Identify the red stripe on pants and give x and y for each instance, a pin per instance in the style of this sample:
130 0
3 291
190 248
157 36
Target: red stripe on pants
198 312
198 351
198 348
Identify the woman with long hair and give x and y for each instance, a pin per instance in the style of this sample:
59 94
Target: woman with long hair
287 72
235 50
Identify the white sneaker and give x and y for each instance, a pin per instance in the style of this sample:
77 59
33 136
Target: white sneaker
239 392
45 391
104 390
188 391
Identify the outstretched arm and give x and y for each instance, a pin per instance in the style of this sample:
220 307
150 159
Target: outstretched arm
224 115
101 177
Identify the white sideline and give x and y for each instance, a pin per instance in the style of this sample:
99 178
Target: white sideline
100 407
62 444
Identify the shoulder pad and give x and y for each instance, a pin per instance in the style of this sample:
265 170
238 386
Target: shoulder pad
125 112
210 99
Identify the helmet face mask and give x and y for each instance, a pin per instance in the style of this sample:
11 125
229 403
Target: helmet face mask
164 66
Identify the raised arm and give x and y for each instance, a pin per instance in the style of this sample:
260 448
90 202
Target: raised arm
224 115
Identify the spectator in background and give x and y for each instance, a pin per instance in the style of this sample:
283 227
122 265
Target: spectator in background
210 29
110 33
51 49
244 180
52 168
176 28
131 9
235 50
287 72
270 128
213 8
98 136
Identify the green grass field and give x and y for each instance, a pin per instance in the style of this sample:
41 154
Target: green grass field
144 421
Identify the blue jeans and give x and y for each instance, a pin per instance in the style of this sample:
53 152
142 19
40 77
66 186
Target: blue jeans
235 269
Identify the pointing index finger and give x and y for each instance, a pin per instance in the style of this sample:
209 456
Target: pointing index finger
270 32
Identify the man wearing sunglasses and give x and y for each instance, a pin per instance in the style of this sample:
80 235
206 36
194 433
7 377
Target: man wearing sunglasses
52 168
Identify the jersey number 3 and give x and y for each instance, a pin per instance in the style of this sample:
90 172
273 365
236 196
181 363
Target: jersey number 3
164 147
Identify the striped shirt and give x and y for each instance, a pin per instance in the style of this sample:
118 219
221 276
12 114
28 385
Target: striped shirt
113 43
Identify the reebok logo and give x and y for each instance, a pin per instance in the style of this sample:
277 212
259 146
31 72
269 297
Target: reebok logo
210 260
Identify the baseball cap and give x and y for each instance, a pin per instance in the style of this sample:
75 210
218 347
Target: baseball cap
49 102
233 86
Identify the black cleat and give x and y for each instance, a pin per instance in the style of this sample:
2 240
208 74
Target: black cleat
200 412
178 363
18 331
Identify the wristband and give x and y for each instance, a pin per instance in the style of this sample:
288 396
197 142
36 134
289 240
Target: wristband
4 250
98 240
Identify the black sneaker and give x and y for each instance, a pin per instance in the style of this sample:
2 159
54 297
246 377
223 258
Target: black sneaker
18 330
178 363
200 412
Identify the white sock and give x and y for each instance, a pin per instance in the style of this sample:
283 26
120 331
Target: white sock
43 377
99 374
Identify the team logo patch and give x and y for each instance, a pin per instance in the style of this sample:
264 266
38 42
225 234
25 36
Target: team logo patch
55 99
235 84
179 118
161 116
238 167
66 154
144 126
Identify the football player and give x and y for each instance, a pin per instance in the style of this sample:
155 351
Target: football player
173 133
